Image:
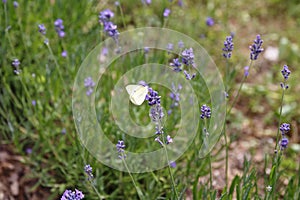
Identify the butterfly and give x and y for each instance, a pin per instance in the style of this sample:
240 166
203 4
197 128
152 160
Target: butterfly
137 93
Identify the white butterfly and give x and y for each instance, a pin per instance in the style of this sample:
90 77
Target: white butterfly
137 93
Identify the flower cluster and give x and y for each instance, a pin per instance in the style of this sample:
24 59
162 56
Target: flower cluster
89 84
228 47
285 73
42 29
15 63
174 95
152 97
120 148
59 28
255 48
89 171
72 195
284 129
167 12
187 59
205 111
109 28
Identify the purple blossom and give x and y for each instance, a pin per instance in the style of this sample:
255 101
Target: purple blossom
172 164
180 44
284 128
228 47
148 2
63 131
284 143
176 64
64 53
59 28
89 171
170 47
105 16
111 30
120 148
180 3
210 21
72 195
156 114
167 12
152 97
285 72
28 150
4 1
89 84
188 76
169 139
255 48
16 63
205 111
159 141
246 71
42 29
16 4
117 3
33 102
146 50
175 96
188 56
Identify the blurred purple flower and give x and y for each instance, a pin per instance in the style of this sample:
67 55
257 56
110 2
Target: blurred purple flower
42 29
167 12
16 4
120 148
228 47
89 84
59 28
89 171
284 143
172 164
105 16
205 111
64 53
28 150
210 21
63 131
285 128
159 141
246 71
169 139
176 64
285 72
33 102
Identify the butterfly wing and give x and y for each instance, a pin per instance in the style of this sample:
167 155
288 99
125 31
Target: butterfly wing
137 93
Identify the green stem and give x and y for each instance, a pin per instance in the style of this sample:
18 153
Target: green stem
122 15
280 113
95 189
209 158
241 85
133 181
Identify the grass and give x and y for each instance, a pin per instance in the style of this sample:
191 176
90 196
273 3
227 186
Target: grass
57 160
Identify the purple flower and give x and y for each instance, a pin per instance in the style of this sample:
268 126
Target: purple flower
284 143
246 71
152 97
33 102
111 30
180 3
285 72
228 47
105 16
172 164
174 95
205 111
180 44
120 148
167 12
169 139
146 50
89 84
4 1
89 171
210 21
16 63
117 3
156 114
170 47
176 64
16 4
64 53
159 141
28 150
188 56
63 131
255 48
59 28
188 76
72 195
284 128
148 2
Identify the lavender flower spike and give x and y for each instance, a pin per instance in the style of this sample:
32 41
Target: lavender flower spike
72 195
284 128
255 48
285 72
205 111
89 171
228 47
284 143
